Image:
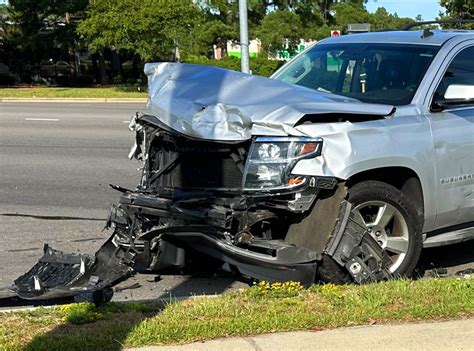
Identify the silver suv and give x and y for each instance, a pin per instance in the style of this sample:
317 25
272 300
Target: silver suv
383 121
355 155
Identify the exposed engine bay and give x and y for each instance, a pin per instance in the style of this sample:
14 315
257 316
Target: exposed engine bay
224 200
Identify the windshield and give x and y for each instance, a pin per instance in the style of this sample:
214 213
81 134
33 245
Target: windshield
373 73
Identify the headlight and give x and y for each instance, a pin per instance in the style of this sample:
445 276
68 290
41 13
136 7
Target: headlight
271 160
268 151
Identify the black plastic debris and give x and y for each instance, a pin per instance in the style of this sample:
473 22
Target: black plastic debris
87 278
464 272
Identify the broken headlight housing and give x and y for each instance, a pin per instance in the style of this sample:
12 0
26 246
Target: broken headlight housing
271 160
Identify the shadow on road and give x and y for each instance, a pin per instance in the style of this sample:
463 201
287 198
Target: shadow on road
12 302
447 260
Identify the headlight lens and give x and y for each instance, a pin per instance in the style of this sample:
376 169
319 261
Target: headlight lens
271 160
268 151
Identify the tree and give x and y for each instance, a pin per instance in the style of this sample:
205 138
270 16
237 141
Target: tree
461 9
350 12
4 50
153 32
280 30
458 9
382 19
220 24
42 29
207 34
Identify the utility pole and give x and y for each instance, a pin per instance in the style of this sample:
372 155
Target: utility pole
244 37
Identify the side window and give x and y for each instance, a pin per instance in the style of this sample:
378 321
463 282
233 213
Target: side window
459 72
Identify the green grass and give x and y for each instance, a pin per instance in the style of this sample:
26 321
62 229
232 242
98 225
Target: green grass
260 309
53 93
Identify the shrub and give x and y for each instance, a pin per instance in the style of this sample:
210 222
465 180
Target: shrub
73 81
259 66
81 313
264 67
7 80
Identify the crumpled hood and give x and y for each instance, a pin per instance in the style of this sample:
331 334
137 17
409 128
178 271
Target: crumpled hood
217 104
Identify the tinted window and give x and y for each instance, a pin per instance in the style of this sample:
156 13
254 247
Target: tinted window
460 71
385 74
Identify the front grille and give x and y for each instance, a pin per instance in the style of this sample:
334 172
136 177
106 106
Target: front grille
178 162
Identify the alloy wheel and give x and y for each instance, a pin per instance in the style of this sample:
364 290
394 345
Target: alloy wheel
387 225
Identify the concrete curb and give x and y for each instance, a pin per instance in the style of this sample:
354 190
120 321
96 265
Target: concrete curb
161 301
34 308
447 335
78 100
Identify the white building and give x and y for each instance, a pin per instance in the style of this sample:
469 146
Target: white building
255 48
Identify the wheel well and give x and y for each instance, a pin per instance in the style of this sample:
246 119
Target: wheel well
402 178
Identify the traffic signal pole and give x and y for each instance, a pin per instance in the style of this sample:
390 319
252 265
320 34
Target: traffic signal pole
244 37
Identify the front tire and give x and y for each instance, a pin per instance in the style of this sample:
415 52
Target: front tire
391 219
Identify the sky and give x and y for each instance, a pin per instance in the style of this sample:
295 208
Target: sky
428 9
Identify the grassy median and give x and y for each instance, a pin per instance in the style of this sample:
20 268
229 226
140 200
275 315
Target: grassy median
262 308
83 93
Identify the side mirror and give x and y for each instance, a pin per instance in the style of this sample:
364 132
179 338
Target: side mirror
455 95
459 92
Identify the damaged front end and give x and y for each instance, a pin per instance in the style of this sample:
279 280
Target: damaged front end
236 202
239 203
233 199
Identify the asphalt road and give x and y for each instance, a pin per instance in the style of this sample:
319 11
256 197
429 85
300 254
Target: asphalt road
64 155
56 161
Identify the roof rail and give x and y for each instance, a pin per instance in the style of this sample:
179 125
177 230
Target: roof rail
410 25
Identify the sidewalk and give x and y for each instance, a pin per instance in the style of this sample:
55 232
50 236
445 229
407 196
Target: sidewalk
451 335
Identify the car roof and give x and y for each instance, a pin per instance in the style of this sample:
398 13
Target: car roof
438 38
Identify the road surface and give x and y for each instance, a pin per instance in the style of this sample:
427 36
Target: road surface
56 161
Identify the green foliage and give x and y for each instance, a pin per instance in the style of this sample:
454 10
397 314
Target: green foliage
259 66
3 10
81 313
280 30
228 62
153 31
115 92
347 13
208 33
461 9
382 19
355 12
318 33
262 66
86 312
458 9
35 24
264 289
172 30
